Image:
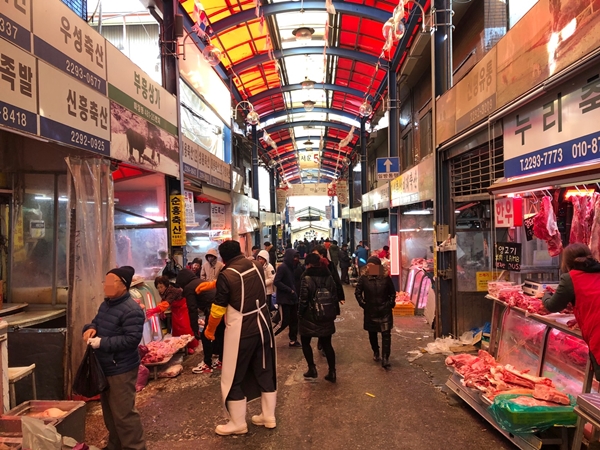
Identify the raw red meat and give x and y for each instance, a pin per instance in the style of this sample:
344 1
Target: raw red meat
525 375
595 231
529 401
545 228
544 392
579 231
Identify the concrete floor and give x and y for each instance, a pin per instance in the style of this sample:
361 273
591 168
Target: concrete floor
407 410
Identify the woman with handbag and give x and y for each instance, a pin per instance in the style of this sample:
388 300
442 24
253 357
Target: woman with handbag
317 311
376 294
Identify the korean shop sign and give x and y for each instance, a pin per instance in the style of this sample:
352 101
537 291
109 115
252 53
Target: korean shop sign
507 256
65 41
203 165
18 84
143 117
15 22
476 92
559 130
309 160
177 220
72 113
508 212
414 185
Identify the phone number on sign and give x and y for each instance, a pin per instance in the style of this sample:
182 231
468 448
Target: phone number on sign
87 141
583 150
81 73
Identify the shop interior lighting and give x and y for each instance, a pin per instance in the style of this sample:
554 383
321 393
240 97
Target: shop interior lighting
394 256
579 192
418 212
152 209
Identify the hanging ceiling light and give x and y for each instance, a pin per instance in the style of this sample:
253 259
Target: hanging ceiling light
253 118
309 176
365 109
303 33
212 55
307 84
272 163
309 105
399 29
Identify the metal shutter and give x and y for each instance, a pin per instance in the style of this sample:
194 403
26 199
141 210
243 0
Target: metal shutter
473 172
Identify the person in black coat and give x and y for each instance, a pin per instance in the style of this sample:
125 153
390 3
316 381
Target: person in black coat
316 276
345 263
272 253
321 250
115 333
376 295
287 297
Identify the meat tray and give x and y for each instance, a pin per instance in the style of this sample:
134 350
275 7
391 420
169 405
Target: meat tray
72 424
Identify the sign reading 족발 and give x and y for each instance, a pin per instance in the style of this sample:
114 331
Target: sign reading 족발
177 220
15 22
68 43
72 113
143 117
18 84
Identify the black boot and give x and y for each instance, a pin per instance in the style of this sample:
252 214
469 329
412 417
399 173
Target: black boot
312 372
331 376
386 345
376 357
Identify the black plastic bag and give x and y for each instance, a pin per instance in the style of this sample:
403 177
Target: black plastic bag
90 380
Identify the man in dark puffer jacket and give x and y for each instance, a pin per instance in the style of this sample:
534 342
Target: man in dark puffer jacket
115 333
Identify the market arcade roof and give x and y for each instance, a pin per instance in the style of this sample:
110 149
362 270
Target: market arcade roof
266 63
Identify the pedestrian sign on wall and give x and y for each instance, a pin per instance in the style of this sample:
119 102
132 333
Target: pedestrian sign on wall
177 220
388 168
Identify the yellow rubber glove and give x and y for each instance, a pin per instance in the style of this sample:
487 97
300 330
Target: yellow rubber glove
211 326
206 286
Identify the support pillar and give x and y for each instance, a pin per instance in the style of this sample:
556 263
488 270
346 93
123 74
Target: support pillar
255 177
273 184
364 188
393 146
349 224
441 82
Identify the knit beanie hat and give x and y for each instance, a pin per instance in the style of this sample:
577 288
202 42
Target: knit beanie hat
374 260
125 273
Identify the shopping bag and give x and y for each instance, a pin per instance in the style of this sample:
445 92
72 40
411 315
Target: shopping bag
90 380
38 435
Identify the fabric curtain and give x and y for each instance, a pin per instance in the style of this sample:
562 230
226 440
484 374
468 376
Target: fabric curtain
91 248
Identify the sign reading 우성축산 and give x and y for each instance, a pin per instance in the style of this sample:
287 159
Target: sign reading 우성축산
143 117
177 220
67 42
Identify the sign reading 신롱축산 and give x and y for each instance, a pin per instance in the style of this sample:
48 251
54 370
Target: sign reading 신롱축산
177 220
71 112
143 117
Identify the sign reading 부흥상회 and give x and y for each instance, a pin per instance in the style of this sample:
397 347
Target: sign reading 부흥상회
559 130
143 117
177 220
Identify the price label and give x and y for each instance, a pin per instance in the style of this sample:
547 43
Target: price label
509 212
528 225
507 256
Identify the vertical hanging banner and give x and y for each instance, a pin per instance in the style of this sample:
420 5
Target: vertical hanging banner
143 117
177 220
190 210
281 199
342 192
217 217
329 212
292 213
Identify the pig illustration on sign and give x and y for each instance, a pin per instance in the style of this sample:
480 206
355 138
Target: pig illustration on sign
136 141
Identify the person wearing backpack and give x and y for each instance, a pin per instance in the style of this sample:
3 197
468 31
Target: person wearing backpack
376 295
317 311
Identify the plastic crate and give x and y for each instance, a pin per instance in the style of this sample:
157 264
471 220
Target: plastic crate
72 424
404 310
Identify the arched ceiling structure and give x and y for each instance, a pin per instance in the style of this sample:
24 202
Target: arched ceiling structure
265 65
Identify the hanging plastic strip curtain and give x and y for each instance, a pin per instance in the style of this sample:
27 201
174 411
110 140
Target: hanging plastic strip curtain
91 247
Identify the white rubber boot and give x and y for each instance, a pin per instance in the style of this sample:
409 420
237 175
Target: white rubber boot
267 416
237 422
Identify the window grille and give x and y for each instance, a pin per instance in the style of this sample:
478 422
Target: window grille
473 172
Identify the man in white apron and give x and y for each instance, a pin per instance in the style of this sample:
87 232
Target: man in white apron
249 347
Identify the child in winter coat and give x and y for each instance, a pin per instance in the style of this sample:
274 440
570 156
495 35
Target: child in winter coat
180 319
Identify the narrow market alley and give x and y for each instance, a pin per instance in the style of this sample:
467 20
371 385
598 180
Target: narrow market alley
368 408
